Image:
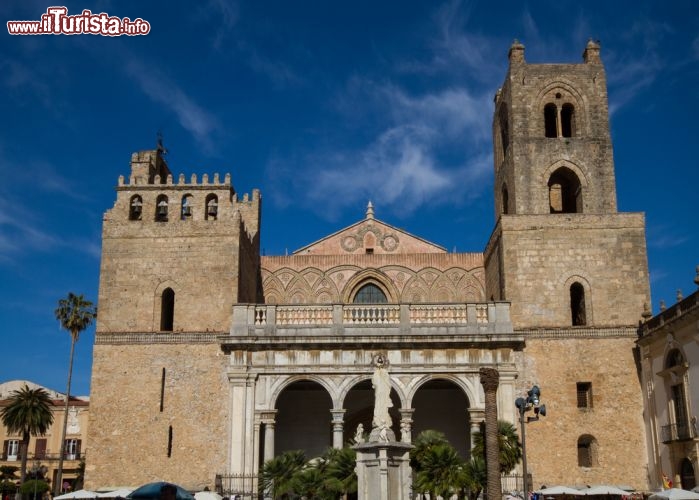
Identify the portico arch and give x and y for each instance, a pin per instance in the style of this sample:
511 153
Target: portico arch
441 403
303 418
358 404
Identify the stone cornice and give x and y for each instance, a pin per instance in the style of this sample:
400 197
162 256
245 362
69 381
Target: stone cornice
579 332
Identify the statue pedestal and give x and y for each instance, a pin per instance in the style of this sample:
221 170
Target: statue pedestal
383 470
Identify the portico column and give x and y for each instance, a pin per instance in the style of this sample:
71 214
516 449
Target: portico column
338 427
406 425
475 416
268 419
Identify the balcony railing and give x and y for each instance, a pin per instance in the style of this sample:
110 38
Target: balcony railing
677 432
359 319
41 456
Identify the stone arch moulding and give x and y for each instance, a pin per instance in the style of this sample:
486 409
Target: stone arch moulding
298 286
573 167
672 345
350 382
578 277
272 287
365 277
578 100
279 384
157 301
466 388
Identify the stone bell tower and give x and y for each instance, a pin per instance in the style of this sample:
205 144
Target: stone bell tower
560 251
573 268
177 254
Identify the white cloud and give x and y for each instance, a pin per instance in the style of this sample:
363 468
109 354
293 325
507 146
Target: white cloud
403 167
192 117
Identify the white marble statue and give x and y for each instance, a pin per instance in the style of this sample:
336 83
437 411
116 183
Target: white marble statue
359 434
383 433
381 382
405 432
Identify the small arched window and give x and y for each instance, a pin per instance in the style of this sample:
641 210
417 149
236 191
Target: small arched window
565 192
505 201
674 358
504 130
587 451
186 212
161 208
577 305
211 207
370 294
167 310
568 120
135 207
551 120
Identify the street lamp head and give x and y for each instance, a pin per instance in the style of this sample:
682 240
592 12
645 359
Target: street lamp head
540 410
521 403
534 394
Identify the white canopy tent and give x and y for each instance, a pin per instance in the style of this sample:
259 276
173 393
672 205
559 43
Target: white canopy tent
78 494
674 494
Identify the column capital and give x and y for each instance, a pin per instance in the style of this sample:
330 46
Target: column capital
476 414
490 379
267 416
406 413
338 414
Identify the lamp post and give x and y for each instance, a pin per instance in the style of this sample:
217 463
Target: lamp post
524 405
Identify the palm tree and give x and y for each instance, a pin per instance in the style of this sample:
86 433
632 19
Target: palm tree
75 314
442 472
278 473
476 475
340 471
423 442
29 414
509 444
309 483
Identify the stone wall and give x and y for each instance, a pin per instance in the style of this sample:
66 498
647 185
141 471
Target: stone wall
129 442
326 279
615 419
544 255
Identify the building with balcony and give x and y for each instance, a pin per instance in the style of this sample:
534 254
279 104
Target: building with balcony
669 344
45 451
210 358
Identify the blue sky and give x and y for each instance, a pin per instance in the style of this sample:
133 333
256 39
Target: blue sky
322 106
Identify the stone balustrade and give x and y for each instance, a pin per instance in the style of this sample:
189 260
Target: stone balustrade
348 319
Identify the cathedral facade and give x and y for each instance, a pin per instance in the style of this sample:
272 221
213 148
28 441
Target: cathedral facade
210 359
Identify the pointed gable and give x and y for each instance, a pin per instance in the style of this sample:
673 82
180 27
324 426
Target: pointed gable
370 236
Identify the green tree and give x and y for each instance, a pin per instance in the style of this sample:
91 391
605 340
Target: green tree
28 413
309 483
7 479
34 488
278 473
476 475
423 442
509 444
341 477
441 472
8 472
75 314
